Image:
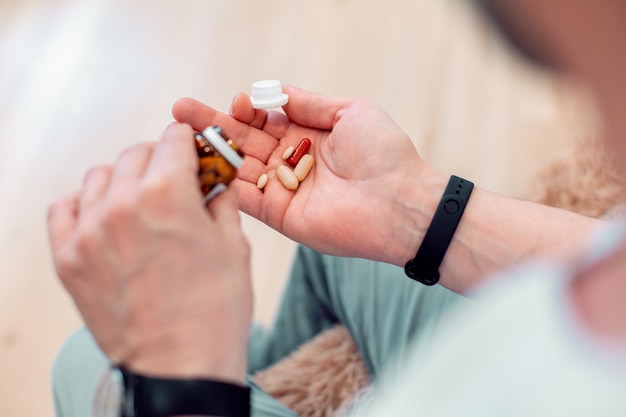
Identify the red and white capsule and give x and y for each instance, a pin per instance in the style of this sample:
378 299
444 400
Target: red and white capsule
299 152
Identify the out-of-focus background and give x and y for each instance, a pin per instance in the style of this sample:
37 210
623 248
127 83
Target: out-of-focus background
81 80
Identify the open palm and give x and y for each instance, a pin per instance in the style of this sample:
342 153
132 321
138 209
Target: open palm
361 160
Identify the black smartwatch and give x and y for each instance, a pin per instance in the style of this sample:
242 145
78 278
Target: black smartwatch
122 393
424 267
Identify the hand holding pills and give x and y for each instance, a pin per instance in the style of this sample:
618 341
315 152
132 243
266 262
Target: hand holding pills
361 166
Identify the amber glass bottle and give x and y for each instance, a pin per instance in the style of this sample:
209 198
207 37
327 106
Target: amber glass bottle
220 158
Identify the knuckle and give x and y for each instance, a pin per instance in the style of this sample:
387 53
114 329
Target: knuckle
120 208
138 148
158 187
88 236
67 264
97 171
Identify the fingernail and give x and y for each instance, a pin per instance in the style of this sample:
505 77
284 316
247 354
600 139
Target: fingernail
232 105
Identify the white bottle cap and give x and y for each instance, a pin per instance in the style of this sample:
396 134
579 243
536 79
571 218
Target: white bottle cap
267 94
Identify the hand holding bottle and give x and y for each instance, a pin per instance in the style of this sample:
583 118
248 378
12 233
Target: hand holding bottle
162 282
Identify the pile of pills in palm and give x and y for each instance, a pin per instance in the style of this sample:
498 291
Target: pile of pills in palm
301 162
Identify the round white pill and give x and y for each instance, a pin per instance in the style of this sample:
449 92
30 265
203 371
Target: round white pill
267 94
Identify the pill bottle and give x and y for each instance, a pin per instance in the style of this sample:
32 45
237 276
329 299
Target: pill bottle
219 158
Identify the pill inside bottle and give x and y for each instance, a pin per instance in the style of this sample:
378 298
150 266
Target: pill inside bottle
219 158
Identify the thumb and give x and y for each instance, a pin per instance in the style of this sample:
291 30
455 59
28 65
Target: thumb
313 109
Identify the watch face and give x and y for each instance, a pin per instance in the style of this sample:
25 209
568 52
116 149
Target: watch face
109 394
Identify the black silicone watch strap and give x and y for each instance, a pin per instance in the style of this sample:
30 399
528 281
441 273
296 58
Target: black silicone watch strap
155 397
424 267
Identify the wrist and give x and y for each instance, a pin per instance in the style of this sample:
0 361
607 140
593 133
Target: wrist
414 205
181 366
198 357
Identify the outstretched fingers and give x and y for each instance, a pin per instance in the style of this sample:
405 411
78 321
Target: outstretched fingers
273 123
252 141
313 110
242 110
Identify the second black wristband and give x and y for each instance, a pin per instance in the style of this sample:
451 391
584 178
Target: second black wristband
147 396
424 267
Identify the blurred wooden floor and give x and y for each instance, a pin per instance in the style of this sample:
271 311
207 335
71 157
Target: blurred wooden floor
81 80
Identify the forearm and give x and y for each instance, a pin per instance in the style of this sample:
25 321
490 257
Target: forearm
497 231
494 232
